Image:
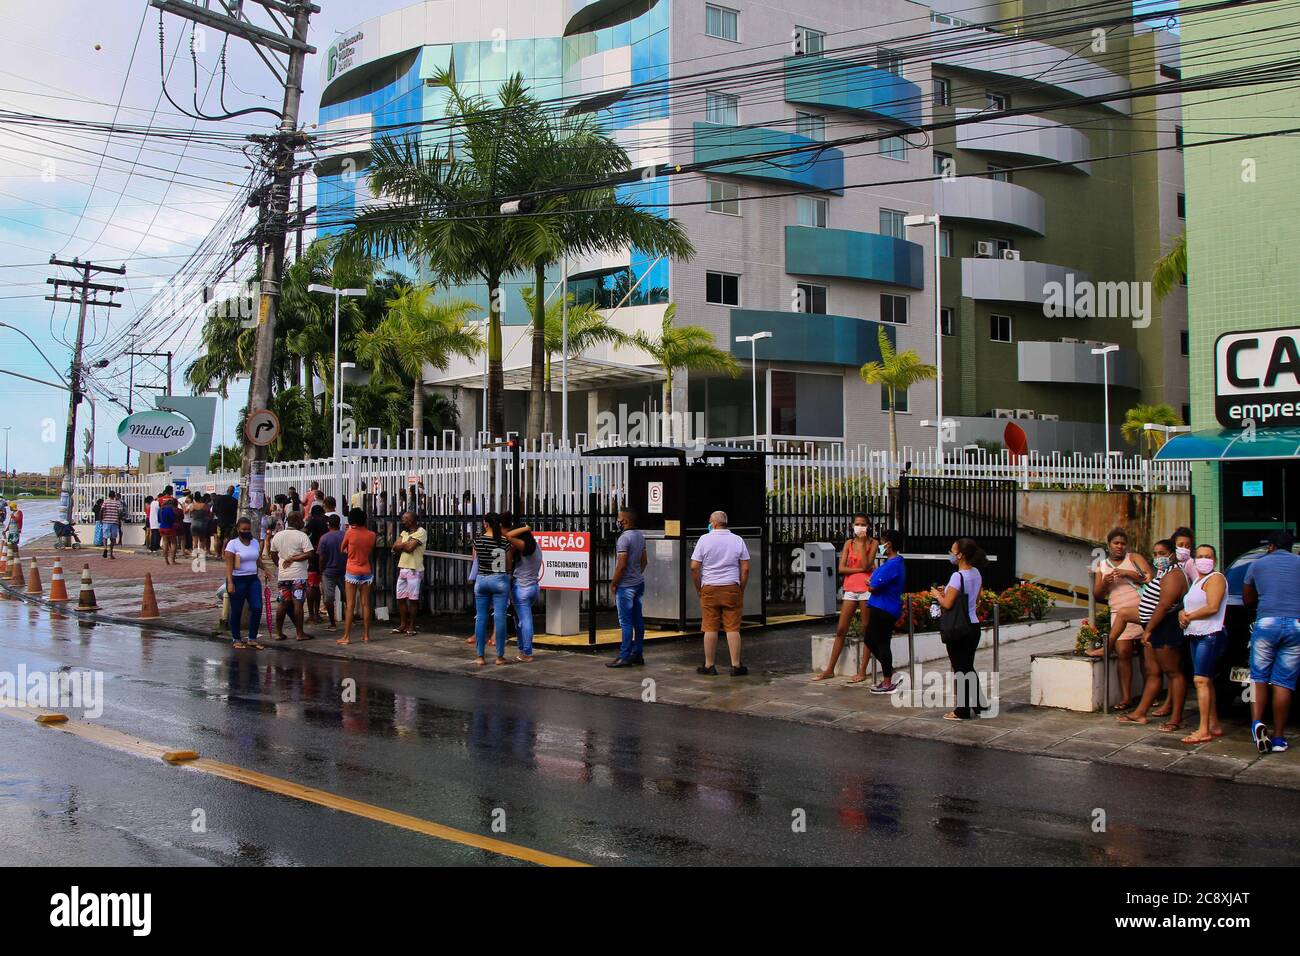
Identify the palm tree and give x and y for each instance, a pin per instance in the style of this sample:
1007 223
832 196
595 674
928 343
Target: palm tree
587 326
1171 268
418 331
895 370
1140 415
687 347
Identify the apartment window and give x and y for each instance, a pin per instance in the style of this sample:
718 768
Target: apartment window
803 403
942 91
893 147
1187 414
1170 72
721 288
1000 174
889 61
810 125
812 298
1002 245
810 42
722 23
724 198
900 399
1178 137
942 162
1184 343
997 101
946 323
1000 328
893 308
811 211
945 243
891 223
1182 205
721 108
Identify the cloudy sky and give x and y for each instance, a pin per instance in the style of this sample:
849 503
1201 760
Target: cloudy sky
145 203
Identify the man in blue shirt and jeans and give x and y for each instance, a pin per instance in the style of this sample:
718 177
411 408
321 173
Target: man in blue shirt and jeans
1273 584
628 586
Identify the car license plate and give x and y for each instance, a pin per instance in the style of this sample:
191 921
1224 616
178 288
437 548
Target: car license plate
1239 675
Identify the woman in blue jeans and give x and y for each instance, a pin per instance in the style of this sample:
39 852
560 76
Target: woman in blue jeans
492 587
243 584
525 578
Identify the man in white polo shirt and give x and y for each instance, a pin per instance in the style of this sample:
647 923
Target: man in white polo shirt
720 568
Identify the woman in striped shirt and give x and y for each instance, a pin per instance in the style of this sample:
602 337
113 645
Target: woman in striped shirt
492 586
1162 639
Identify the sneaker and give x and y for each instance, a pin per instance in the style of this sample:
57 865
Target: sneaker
638 661
885 687
740 671
1280 745
1260 734
710 671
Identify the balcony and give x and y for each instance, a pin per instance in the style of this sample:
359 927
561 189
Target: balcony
803 337
1038 64
1025 137
851 87
1008 280
582 14
822 170
1072 363
844 254
982 200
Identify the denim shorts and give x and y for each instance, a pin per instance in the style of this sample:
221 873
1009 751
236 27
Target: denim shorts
1167 633
1207 651
1275 652
359 578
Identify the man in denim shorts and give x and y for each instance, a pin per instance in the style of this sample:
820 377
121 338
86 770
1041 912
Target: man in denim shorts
1273 584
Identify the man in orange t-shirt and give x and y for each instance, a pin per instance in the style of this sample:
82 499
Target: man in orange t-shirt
358 546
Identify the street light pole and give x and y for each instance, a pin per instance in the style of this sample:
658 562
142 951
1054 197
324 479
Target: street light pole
1104 352
4 481
753 341
938 334
338 445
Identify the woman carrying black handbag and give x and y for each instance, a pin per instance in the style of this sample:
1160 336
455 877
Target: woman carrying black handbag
959 624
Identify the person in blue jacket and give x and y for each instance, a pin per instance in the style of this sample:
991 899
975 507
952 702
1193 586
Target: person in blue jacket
884 607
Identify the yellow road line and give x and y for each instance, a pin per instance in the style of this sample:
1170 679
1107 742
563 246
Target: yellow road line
117 740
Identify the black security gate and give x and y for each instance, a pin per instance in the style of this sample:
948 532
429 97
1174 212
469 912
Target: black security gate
934 512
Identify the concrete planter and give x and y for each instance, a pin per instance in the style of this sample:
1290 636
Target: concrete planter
850 657
929 644
1074 682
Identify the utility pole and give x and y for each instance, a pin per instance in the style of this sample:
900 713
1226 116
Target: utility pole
281 147
85 287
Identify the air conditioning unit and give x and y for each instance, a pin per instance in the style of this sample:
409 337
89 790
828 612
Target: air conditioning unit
1024 413
1044 417
1066 338
1011 255
1004 413
985 249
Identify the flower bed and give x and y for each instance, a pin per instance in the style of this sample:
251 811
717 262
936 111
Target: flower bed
1020 602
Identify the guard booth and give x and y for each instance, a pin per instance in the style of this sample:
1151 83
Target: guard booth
673 491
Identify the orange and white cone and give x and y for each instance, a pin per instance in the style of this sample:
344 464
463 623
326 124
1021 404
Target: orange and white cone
86 599
16 572
34 580
4 559
58 587
149 606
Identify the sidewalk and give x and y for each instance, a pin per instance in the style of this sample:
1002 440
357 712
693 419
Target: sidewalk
778 685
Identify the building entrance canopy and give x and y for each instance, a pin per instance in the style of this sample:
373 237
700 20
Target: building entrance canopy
1232 444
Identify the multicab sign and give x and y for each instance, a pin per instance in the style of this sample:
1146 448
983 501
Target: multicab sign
156 432
1257 378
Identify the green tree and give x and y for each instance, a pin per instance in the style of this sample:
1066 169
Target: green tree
1134 432
419 330
895 370
1171 268
688 347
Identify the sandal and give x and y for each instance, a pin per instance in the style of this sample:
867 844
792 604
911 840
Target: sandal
239 645
857 679
822 676
1123 706
519 659
343 640
1193 739
1130 719
501 661
1169 726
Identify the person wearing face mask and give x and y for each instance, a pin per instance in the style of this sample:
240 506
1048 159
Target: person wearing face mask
1182 539
961 624
1202 621
1162 640
884 607
243 584
1118 579
857 558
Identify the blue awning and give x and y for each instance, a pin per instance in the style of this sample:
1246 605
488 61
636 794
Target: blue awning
1232 444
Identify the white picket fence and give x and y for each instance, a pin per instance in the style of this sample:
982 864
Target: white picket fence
800 478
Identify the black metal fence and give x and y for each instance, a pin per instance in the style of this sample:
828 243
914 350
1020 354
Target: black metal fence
934 512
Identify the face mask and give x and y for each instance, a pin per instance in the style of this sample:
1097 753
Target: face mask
860 530
881 550
1205 565
245 536
1163 561
952 558
1183 553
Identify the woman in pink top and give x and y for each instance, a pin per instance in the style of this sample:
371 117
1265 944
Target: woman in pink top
857 559
1117 579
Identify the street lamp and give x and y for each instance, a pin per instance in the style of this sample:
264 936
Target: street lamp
915 221
338 448
1104 352
753 341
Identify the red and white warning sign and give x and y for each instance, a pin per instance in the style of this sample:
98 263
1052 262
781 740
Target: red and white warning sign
566 560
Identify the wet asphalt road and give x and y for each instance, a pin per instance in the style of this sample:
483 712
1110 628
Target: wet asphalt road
593 779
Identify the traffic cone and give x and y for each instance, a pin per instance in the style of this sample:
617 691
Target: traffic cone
34 580
4 559
149 606
86 600
58 589
16 572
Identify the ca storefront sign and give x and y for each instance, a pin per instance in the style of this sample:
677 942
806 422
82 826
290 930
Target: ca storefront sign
1257 378
156 432
566 560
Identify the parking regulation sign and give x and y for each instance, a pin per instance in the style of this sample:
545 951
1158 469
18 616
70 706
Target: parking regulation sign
655 498
566 560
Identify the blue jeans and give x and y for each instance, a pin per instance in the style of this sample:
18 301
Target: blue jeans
524 596
1275 652
491 590
631 620
248 590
